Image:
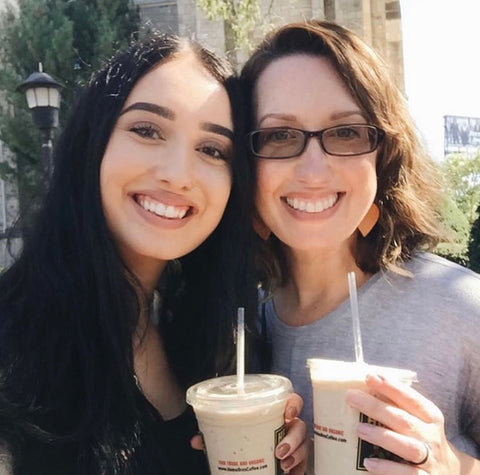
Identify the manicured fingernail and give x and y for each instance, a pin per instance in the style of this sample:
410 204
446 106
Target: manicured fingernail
354 398
364 429
376 377
370 464
287 463
282 450
292 412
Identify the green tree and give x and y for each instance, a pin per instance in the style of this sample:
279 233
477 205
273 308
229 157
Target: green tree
70 38
462 177
474 245
462 174
457 229
240 18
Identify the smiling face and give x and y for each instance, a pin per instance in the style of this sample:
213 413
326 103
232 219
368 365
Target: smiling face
165 177
314 201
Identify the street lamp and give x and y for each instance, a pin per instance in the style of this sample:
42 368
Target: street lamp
43 98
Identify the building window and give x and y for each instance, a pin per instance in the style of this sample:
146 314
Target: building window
392 10
329 8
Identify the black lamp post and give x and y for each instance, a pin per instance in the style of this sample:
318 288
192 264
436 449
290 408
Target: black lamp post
43 97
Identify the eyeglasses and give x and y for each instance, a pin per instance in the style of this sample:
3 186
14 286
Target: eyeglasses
342 140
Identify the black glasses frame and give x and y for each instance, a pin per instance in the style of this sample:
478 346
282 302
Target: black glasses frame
318 134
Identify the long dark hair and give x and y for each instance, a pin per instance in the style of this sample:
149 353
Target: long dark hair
409 191
69 306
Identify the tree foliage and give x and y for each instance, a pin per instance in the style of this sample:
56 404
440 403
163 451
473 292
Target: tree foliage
70 38
474 245
457 229
462 174
462 178
240 17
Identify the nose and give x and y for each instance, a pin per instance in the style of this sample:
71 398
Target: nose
313 165
175 167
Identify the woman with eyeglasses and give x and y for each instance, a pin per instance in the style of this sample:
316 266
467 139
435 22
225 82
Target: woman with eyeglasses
344 185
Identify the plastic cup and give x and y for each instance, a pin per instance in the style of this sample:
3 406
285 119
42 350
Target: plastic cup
338 450
241 430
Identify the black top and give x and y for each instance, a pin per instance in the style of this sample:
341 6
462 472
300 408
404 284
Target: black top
173 457
181 457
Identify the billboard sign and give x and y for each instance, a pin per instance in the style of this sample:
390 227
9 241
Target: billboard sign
462 134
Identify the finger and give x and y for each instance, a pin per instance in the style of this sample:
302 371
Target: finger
387 467
408 448
296 463
196 442
300 469
293 407
393 417
296 435
404 396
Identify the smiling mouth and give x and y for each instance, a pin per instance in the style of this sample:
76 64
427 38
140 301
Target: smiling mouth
162 209
313 206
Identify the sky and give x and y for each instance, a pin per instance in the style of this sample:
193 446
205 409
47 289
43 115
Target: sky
441 47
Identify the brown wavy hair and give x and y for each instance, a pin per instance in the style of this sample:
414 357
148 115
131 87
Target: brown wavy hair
409 186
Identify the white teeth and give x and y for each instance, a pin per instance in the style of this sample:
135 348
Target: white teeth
170 212
160 209
312 206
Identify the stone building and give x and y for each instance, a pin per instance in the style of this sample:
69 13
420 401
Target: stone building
376 21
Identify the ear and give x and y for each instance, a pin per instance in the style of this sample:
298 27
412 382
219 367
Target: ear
369 220
260 227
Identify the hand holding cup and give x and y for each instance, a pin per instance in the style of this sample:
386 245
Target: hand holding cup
412 428
293 448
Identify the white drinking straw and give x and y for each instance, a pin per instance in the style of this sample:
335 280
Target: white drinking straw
352 287
240 349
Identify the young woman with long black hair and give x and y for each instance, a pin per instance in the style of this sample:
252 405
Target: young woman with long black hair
132 268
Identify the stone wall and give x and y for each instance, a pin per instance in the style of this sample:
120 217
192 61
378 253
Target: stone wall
377 21
162 14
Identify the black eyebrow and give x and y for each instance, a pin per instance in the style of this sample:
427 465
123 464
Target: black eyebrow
217 129
149 107
169 114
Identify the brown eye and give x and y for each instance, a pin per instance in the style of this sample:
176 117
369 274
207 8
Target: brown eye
215 151
147 131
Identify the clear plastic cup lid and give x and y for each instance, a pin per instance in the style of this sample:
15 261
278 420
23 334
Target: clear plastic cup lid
346 370
258 389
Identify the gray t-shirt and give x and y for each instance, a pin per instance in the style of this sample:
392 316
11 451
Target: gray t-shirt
429 323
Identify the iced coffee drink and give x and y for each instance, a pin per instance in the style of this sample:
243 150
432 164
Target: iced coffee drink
241 428
338 450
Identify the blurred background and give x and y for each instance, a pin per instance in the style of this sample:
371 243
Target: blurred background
429 45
